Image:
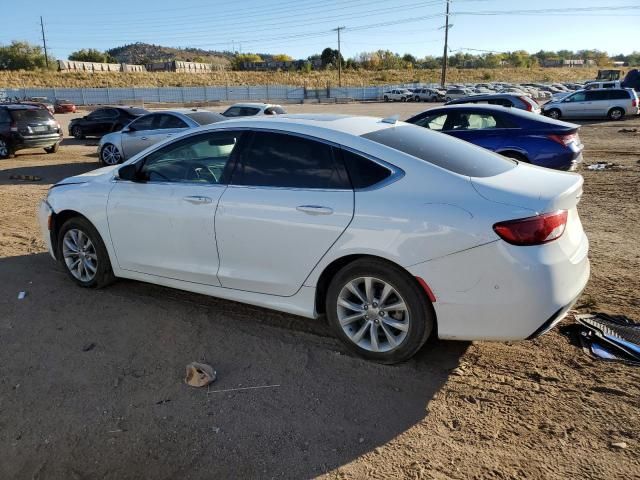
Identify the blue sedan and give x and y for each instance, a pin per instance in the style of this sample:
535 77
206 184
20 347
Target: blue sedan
512 132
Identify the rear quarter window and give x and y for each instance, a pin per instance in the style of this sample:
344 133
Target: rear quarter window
420 143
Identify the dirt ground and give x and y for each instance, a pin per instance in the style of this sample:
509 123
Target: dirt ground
91 380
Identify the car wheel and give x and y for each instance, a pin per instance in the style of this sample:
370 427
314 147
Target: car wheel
110 155
5 150
53 148
386 99
417 99
379 311
448 99
553 113
404 99
83 254
615 114
77 133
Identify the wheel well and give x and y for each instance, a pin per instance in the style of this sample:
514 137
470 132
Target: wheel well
58 219
514 154
322 286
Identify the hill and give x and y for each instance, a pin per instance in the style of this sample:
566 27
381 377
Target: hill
143 53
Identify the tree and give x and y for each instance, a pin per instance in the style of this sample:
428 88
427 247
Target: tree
330 57
240 58
409 59
23 56
281 57
92 55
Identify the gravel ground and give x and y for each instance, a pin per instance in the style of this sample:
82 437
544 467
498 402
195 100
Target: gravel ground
91 381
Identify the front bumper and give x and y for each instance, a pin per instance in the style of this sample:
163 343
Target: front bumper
502 292
44 214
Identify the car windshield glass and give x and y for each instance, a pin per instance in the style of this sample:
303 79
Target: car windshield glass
418 142
31 115
205 118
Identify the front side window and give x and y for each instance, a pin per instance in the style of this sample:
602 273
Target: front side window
143 123
241 112
433 122
281 160
471 121
198 159
577 97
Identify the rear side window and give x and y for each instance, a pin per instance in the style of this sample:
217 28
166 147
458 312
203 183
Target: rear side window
166 121
618 95
421 144
241 112
362 171
596 95
205 118
281 160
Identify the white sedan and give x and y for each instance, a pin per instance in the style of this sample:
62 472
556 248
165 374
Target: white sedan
393 231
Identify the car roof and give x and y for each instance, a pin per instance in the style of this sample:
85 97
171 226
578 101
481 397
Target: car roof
21 106
254 104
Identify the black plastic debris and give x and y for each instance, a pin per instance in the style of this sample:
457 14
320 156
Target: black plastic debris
610 337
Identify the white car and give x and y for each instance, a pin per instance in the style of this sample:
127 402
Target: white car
253 109
397 95
391 230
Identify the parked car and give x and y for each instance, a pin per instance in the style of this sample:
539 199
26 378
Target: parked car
427 95
612 103
27 126
512 132
503 99
456 93
104 120
394 232
150 129
596 85
42 101
397 95
64 106
253 109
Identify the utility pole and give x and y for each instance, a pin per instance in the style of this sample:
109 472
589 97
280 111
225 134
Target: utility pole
339 57
44 42
443 79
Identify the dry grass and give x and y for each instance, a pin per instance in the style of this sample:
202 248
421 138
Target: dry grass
316 79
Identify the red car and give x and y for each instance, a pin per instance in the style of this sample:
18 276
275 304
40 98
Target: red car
64 106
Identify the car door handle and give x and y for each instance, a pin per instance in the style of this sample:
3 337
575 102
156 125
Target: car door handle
314 210
197 200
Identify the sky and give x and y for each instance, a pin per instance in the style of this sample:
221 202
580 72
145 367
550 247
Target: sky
303 27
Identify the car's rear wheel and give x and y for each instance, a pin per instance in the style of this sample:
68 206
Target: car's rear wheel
379 311
448 99
616 114
110 155
53 148
385 98
77 132
417 99
554 113
83 255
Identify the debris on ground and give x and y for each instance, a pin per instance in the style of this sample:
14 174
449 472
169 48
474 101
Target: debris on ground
199 374
609 337
21 295
602 166
26 178
620 445
88 347
628 130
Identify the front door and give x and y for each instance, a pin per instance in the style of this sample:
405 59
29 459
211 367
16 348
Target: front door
288 202
163 224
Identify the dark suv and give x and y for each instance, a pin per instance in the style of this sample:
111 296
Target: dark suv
104 120
27 126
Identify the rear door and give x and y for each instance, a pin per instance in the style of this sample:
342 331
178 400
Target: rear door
138 135
288 201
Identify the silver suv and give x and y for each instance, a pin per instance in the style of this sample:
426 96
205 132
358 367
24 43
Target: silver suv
612 103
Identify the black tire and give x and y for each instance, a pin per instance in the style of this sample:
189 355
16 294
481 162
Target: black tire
104 159
53 148
404 99
104 273
553 113
616 113
5 149
417 99
448 99
385 98
421 313
77 133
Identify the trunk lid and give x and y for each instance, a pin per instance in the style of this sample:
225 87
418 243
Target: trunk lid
538 189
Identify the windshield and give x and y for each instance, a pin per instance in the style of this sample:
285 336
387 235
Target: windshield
464 159
205 118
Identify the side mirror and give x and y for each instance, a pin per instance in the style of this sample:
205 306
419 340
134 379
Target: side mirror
128 172
126 130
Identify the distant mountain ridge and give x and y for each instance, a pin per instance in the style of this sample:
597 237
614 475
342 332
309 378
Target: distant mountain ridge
143 53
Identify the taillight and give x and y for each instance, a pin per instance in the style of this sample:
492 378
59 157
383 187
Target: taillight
563 139
533 230
13 127
634 102
528 105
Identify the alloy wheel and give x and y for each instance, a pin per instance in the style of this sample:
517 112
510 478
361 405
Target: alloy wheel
110 154
373 314
616 114
4 149
79 255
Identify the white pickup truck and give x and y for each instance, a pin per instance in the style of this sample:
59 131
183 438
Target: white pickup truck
397 95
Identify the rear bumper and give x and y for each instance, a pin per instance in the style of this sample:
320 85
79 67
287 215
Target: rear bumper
502 292
35 141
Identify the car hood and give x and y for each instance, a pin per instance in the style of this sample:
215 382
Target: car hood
100 174
534 188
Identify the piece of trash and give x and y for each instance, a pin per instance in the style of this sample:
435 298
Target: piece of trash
241 388
609 337
199 374
600 166
28 178
628 130
164 400
620 445
88 346
21 295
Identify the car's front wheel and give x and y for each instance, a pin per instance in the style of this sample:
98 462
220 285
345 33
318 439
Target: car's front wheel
553 113
385 98
83 255
5 149
110 155
379 311
77 133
